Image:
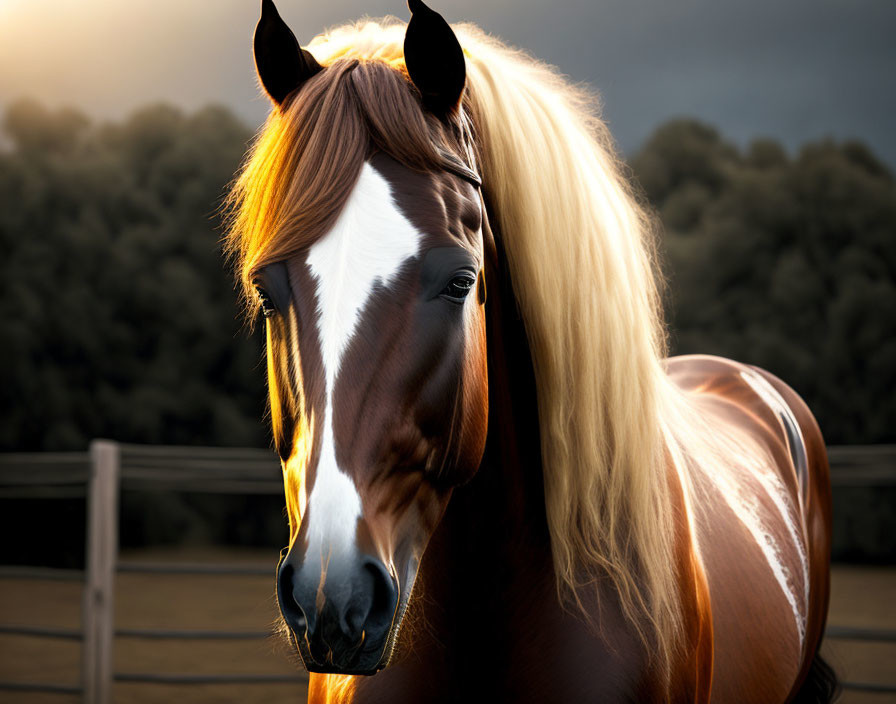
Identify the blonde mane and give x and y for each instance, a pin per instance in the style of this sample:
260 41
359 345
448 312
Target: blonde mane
581 259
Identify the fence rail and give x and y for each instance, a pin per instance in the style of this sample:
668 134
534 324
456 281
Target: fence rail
879 635
45 687
108 468
153 678
862 465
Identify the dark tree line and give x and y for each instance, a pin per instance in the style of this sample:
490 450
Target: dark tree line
118 317
118 314
784 262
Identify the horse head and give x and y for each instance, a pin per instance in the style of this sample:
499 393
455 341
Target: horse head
375 331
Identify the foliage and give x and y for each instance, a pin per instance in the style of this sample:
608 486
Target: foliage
119 318
786 263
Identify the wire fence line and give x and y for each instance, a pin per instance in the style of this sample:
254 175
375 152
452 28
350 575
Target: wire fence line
107 467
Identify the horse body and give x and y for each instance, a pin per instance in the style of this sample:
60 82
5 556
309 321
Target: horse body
498 488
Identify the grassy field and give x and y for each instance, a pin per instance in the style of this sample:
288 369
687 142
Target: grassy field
861 597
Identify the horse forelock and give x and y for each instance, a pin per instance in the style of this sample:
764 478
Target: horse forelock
306 160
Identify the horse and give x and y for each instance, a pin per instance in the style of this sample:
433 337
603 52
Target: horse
499 488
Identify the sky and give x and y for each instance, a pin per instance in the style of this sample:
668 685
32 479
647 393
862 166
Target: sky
794 70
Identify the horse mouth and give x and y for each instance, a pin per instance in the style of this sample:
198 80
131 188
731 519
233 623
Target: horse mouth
351 661
336 657
334 670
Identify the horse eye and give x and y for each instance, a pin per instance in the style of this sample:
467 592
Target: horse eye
267 305
458 288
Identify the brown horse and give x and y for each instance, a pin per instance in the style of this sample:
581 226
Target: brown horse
499 489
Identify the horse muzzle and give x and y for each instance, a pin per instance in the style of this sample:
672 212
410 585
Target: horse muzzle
340 614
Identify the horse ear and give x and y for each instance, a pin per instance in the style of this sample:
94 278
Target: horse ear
434 60
281 63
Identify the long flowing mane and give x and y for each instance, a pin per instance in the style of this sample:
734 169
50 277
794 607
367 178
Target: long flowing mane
581 260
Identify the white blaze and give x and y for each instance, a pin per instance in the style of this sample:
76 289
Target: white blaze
367 246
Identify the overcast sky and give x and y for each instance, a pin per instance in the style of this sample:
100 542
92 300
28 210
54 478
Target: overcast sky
790 69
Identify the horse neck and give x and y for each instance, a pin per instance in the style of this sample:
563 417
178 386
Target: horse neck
494 531
509 486
487 576
511 472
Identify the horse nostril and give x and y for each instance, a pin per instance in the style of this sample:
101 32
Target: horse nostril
353 622
290 608
384 595
357 607
371 604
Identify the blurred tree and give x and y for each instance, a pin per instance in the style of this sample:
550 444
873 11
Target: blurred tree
789 264
119 318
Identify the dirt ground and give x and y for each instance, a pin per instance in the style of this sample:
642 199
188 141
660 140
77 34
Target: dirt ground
860 597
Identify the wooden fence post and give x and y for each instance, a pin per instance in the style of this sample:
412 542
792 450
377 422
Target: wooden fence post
99 588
